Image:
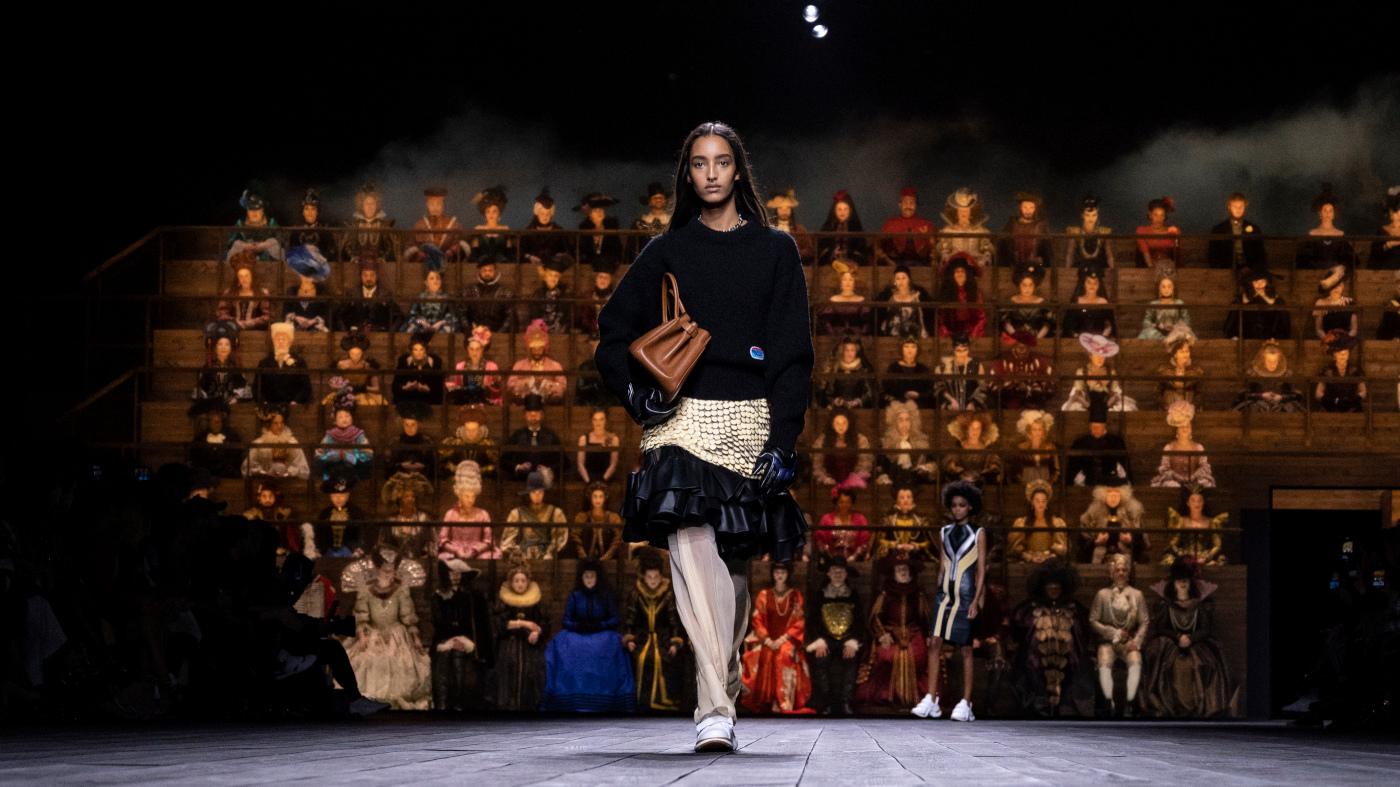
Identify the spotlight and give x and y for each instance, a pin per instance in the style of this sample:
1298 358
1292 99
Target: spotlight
819 31
809 14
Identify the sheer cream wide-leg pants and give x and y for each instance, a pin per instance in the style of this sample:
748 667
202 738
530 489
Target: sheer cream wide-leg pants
712 598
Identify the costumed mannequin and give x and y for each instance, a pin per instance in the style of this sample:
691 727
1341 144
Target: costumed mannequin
774 664
1184 376
1037 457
1256 288
657 216
1269 389
275 384
371 228
466 541
915 245
332 537
1087 248
470 442
345 444
413 451
902 315
1162 252
892 675
255 232
488 300
292 537
1244 246
905 460
1326 246
1038 536
477 380
1022 378
1099 457
908 533
652 633
844 219
244 303
1336 310
436 228
1112 525
402 498
359 371
550 304
1177 469
1341 397
1097 379
370 307
547 240
1119 617
493 246
387 652
784 207
537 373
418 373
841 455
1187 674
586 321
1196 534
960 385
462 643
216 446
834 630
847 377
586 666
1385 253
534 446
1026 232
1165 312
519 674
959 285
1027 311
1390 318
907 379
597 530
962 547
535 543
852 544
963 214
432 311
1050 627
1093 311
220 378
599 250
307 310
974 432
845 311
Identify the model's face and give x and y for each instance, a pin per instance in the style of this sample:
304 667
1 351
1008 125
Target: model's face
908 206
839 424
848 283
909 352
713 170
1036 431
1327 213
1053 590
780 577
433 281
959 507
598 498
1157 215
276 424
519 582
369 278
842 210
1097 429
974 431
964 215
1272 359
223 348
589 579
1113 498
340 499
533 418
1195 503
536 497
550 277
267 498
435 205
652 578
343 418
901 573
836 575
1182 356
245 278
418 351
492 213
904 499
1166 288
410 426
960 276
1026 287
1236 208
543 215
281 342
310 213
1027 210
1039 502
371 206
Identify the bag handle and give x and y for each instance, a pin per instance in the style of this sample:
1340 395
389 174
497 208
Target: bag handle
675 302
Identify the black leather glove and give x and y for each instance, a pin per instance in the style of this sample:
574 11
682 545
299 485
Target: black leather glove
776 469
648 406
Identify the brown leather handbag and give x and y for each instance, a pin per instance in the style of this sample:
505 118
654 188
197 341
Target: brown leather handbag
670 350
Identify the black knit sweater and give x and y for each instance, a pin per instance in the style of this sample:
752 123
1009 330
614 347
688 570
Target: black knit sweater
747 288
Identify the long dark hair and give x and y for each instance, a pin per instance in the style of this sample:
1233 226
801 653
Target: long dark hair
745 189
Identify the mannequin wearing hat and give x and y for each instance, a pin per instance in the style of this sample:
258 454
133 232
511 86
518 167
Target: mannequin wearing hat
474 383
1183 461
488 301
1243 246
471 540
255 232
312 230
438 229
1385 254
906 531
908 379
387 653
847 376
784 217
244 303
1390 318
1097 378
220 379
470 441
586 667
494 246
1119 617
905 460
282 377
1335 312
842 218
359 370
519 675
372 229
275 453
307 312
851 544
603 286
1037 458
1023 378
1028 311
432 311
845 311
534 543
589 390
901 316
549 303
835 630
1090 292
1162 252
1257 289
370 306
1050 626
1196 534
1099 457
1187 674
1326 247
1331 394
652 633
959 383
1088 249
1164 312
774 672
403 498
1027 230
963 214
544 240
1182 377
537 374
462 648
599 250
334 538
960 286
533 445
268 506
418 373
656 216
345 444
893 672
1269 389
597 531
216 446
915 247
1039 535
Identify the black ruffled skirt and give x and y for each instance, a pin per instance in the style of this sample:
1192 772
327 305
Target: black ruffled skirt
674 489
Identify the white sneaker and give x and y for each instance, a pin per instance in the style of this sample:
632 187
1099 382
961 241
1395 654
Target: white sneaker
364 706
715 734
963 712
928 708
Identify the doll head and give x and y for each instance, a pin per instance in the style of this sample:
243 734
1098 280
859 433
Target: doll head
781 571
1035 425
963 208
1028 206
1325 205
844 498
837 572
784 205
1090 285
712 169
1158 209
1038 495
974 430
1183 576
904 499
1236 205
1166 288
466 483
590 574
1089 211
901 279
518 580
543 207
1120 569
1269 360
596 496
909 351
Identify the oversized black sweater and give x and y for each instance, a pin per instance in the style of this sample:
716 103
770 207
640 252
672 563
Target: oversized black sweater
747 288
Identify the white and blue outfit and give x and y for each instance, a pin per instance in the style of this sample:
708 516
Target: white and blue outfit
957 584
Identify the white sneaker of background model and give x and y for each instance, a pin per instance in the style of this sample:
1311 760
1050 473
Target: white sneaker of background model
963 712
715 733
928 708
